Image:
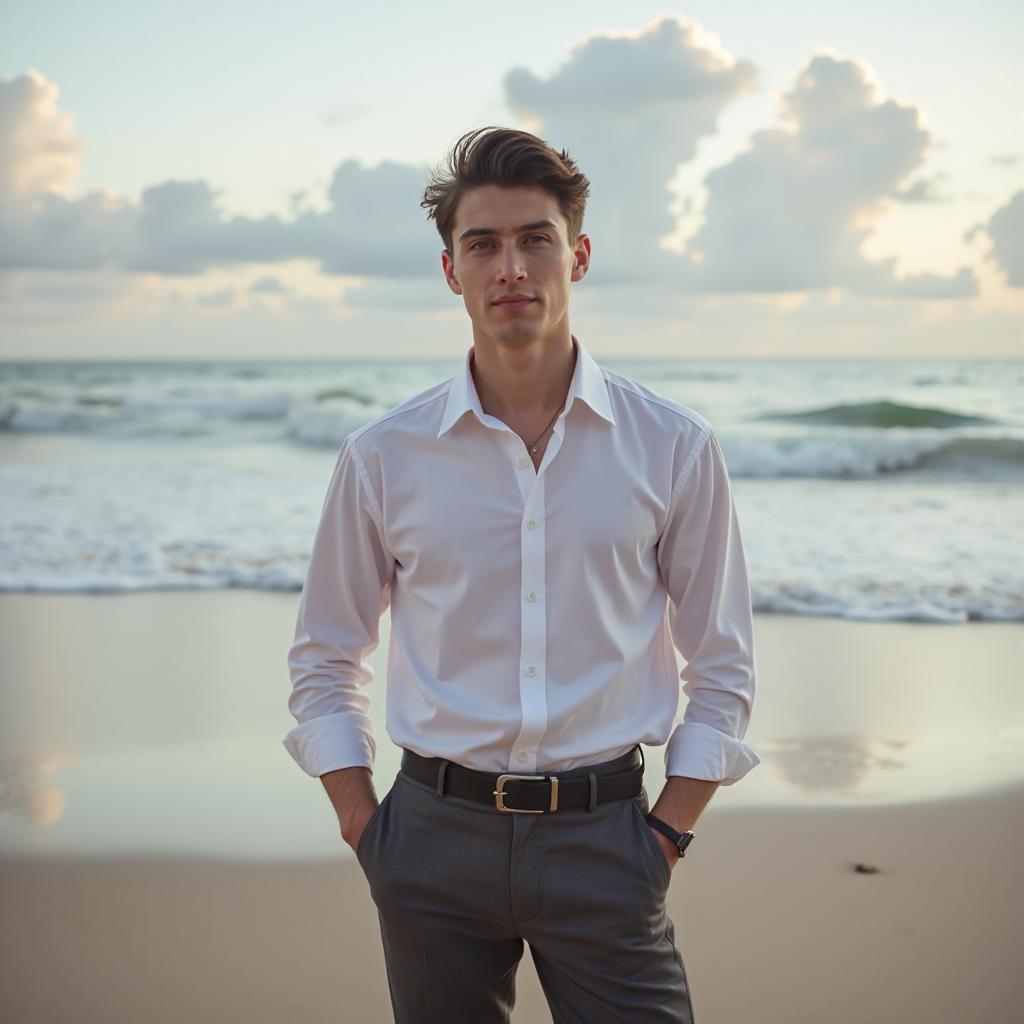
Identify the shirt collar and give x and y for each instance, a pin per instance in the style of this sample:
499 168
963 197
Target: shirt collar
587 383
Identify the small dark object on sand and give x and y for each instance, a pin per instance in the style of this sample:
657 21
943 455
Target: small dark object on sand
865 869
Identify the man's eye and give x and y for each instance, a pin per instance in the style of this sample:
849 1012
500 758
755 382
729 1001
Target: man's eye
484 241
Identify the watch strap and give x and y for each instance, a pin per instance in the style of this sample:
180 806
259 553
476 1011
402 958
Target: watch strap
681 839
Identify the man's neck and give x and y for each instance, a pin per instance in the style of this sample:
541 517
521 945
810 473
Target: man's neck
523 385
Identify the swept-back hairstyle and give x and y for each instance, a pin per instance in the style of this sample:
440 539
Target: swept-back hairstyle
507 157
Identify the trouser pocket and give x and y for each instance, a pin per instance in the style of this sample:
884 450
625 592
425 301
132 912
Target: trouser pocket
640 809
362 846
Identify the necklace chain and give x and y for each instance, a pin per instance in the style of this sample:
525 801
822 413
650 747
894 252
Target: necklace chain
533 447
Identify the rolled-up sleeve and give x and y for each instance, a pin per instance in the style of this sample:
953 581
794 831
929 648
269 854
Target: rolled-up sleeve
347 589
701 560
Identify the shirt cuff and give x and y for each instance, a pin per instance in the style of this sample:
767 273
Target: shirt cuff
699 751
330 742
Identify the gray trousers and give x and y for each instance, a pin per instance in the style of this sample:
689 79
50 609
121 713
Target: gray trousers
459 885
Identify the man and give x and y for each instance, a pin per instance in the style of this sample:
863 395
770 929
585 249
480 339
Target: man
543 529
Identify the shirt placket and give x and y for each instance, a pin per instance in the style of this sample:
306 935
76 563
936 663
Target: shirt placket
533 603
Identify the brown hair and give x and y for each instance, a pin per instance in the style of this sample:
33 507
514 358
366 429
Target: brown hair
508 157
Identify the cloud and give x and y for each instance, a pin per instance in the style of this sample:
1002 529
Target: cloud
794 210
373 228
50 232
62 298
791 212
269 286
221 297
39 162
40 153
1005 229
415 294
345 113
374 225
179 229
923 190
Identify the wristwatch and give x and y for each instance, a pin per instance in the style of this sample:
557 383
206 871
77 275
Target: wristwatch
681 839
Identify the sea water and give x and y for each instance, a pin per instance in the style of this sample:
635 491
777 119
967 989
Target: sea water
881 490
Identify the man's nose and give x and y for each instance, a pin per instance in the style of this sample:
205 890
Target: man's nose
511 265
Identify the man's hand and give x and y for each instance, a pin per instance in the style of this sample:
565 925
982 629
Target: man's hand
354 800
354 823
679 805
667 846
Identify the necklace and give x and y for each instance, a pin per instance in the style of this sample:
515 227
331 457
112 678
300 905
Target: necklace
533 447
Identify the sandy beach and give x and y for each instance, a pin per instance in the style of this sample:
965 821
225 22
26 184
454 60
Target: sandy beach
110 916
936 935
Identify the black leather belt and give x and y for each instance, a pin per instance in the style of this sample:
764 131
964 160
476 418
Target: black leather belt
532 793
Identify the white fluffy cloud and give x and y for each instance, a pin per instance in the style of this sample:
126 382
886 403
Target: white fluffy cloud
789 213
1005 230
373 227
41 152
793 211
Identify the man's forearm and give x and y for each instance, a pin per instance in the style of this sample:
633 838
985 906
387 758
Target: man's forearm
682 800
350 791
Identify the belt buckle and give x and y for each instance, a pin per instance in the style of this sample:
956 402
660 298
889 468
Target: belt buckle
499 794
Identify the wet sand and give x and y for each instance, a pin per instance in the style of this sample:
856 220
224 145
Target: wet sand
772 921
774 924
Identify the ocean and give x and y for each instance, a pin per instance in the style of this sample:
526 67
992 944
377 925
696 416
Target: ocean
869 490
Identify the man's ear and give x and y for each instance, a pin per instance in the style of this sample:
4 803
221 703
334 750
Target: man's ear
581 260
449 274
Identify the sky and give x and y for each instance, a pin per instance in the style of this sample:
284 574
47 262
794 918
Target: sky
243 179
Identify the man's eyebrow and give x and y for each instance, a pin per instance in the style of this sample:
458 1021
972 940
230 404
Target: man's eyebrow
472 232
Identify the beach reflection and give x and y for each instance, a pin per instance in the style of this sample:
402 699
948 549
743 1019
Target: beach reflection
27 793
155 724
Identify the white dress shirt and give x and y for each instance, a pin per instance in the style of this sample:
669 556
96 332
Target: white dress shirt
533 609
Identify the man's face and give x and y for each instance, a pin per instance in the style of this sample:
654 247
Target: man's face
500 248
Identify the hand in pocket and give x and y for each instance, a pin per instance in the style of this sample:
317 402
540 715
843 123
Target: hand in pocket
668 848
356 822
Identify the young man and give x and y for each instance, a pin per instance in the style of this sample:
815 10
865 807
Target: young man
543 529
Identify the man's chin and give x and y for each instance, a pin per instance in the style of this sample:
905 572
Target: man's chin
518 332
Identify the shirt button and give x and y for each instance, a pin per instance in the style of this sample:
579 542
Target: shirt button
523 460
521 756
531 524
533 596
531 670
